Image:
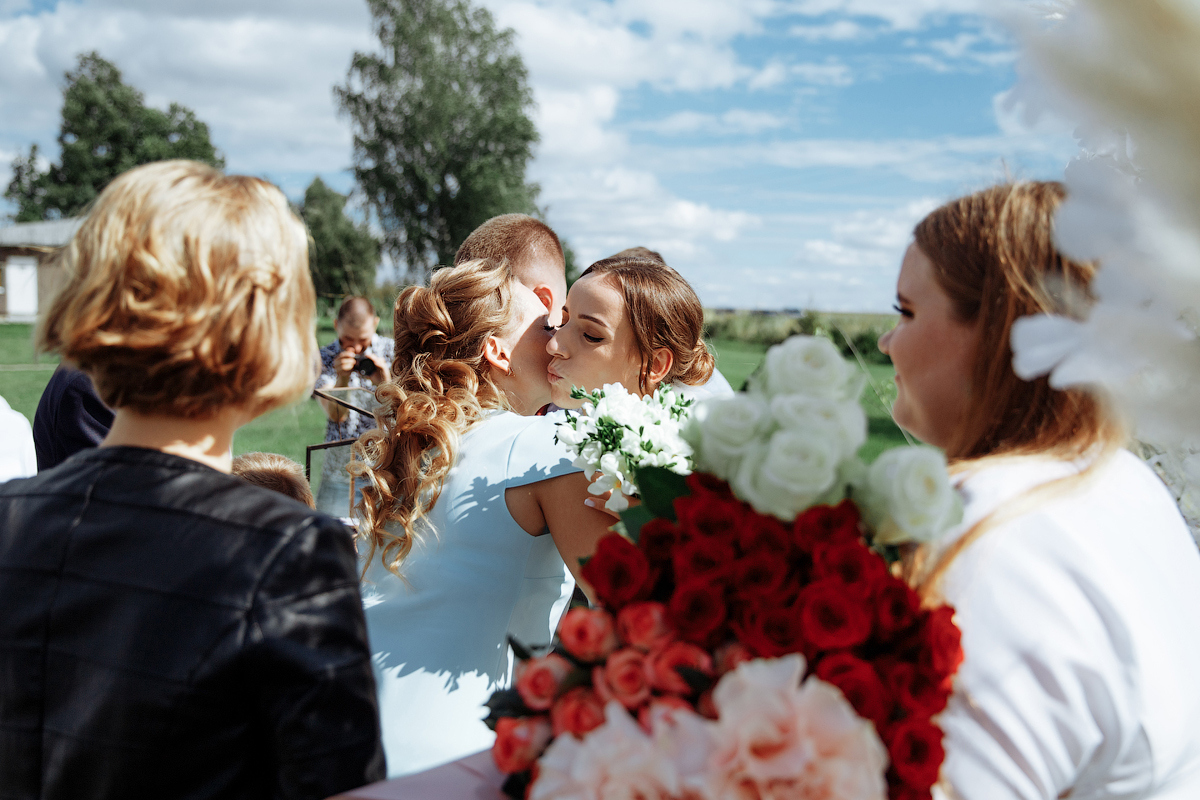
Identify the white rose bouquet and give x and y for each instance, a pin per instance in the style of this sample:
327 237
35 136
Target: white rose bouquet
615 432
791 442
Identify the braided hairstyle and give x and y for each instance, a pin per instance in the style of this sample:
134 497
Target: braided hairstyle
441 385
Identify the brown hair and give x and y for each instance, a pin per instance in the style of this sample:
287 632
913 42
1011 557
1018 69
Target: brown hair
993 254
275 472
441 385
187 292
640 252
663 311
517 238
357 307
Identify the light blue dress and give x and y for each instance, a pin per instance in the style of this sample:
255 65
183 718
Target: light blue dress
439 636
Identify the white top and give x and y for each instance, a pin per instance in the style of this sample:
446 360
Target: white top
440 642
1081 636
18 459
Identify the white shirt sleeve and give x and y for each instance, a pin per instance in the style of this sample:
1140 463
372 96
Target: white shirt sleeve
18 458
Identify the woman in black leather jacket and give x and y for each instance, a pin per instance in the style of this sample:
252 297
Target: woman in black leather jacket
166 629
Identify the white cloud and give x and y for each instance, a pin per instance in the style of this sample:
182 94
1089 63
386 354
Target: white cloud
733 122
900 14
830 73
841 31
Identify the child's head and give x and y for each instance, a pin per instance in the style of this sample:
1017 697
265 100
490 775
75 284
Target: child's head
275 472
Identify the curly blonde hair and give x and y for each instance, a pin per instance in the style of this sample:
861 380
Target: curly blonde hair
187 292
441 385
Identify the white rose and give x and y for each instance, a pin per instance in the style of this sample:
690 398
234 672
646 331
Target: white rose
842 419
809 365
793 471
723 431
909 496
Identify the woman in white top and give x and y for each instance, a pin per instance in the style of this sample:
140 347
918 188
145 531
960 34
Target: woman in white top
1075 582
634 321
461 487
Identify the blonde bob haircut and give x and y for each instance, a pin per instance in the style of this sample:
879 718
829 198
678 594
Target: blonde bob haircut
188 292
441 385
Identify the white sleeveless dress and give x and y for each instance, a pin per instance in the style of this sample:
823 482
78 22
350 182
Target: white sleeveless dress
440 642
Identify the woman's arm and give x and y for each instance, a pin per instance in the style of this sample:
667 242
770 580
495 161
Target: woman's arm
556 505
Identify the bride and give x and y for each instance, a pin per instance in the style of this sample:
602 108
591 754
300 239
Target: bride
462 483
1075 581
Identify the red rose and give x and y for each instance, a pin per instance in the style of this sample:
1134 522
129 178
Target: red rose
587 634
623 678
896 609
702 558
826 525
656 539
859 683
771 630
760 574
661 664
703 483
942 652
644 625
578 711
697 611
619 572
708 515
853 563
831 618
519 741
660 708
915 747
539 679
914 689
728 656
758 532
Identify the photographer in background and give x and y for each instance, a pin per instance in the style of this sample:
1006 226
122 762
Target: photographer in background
359 358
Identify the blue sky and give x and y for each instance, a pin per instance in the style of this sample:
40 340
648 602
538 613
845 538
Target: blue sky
777 152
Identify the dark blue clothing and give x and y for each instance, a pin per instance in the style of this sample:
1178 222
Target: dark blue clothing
70 417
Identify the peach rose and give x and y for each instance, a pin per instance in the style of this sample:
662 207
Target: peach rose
661 664
539 679
623 678
578 711
662 710
587 634
644 625
519 741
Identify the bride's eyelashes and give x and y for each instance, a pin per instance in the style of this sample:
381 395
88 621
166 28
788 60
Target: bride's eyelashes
593 339
904 312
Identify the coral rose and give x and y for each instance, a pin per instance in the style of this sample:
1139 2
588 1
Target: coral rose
618 572
661 666
587 634
623 678
539 679
519 741
644 625
578 711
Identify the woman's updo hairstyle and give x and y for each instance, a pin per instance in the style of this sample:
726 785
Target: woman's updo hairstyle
441 384
663 311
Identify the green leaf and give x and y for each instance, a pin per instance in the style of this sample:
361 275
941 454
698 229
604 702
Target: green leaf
659 487
633 519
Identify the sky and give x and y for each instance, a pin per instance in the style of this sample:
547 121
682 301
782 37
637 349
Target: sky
776 152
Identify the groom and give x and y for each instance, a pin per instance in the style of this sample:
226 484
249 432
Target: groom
533 251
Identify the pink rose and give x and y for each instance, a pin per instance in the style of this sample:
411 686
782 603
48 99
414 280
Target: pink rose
661 664
519 741
623 678
644 625
587 634
539 679
578 711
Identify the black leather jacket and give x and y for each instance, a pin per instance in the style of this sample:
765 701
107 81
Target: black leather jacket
169 631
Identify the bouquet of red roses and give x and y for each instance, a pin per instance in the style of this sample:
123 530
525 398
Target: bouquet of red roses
710 586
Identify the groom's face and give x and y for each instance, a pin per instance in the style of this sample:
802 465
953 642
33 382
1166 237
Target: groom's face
595 343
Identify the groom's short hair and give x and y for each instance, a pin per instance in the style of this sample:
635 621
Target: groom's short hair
519 238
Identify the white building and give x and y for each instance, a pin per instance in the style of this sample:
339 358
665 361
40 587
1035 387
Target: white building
29 276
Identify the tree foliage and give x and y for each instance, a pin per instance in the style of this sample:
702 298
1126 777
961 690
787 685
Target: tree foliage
344 255
442 133
106 130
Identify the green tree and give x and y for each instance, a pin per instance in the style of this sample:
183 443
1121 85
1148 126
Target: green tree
344 255
442 133
106 130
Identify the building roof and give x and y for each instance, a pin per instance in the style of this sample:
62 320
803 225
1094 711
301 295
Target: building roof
51 233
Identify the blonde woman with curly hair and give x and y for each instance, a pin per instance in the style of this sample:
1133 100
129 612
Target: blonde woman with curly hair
168 628
1074 578
470 509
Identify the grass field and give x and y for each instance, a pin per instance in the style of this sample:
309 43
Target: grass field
288 430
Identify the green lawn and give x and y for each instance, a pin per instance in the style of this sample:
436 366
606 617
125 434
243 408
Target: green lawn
289 430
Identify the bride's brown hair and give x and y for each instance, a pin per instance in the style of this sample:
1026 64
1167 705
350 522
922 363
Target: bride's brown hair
993 255
441 384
